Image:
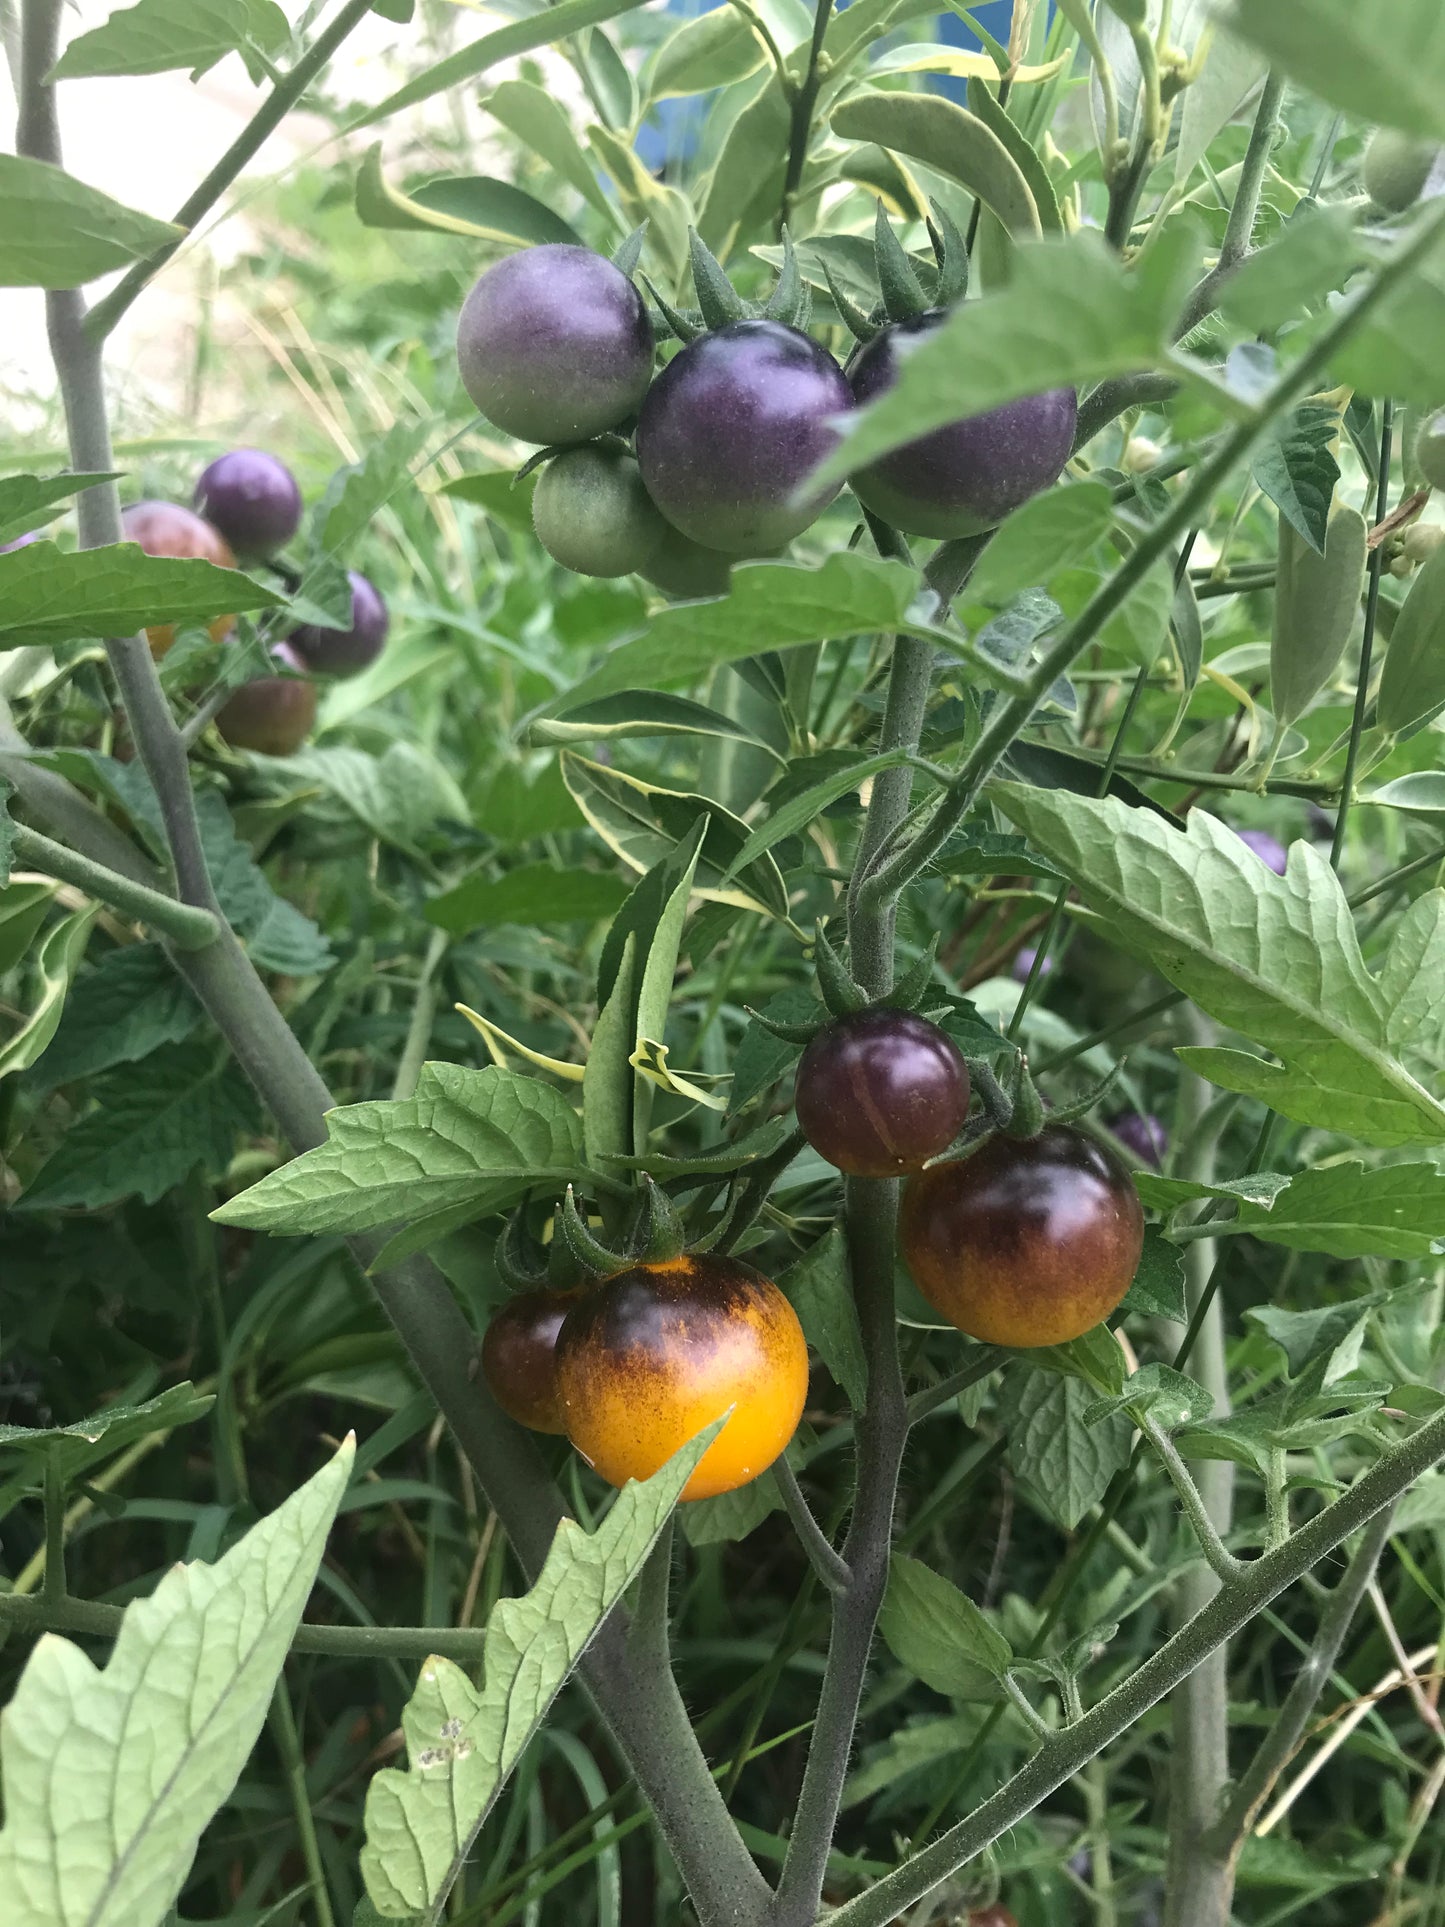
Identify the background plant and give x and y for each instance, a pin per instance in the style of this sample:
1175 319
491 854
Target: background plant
1043 742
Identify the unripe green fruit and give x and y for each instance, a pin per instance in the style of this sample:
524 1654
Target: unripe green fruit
593 514
1430 449
685 569
1422 541
1397 167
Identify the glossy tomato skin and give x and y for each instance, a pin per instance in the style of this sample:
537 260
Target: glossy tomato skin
967 476
554 345
346 652
519 1357
733 426
1028 1241
658 1351
880 1092
165 528
593 515
272 715
252 498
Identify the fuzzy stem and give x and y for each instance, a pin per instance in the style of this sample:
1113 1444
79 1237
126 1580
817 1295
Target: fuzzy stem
1245 211
187 927
1221 1559
822 1557
1372 609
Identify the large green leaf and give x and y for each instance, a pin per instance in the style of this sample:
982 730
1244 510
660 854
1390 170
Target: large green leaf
86 1442
938 1633
1066 1461
1316 602
111 1776
1381 59
1355 1211
472 204
948 137
129 1005
770 605
55 232
462 1740
539 121
56 962
1297 470
480 1137
1275 958
158 35
819 1288
1413 683
47 595
26 501
535 893
1052 532
1071 313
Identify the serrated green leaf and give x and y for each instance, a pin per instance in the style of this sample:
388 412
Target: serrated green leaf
155 1122
1297 470
396 796
1066 1462
110 1777
1413 682
1275 958
770 605
499 492
1170 1397
1357 1211
939 1635
52 595
730 1516
534 894
483 1137
130 1004
156 36
1051 533
55 232
1316 601
1383 60
1304 1336
1260 1187
370 484
1315 253
56 963
87 1442
462 1741
819 1288
1094 1358
27 501
1158 1287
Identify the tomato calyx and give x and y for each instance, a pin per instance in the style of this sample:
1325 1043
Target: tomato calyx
655 1236
719 304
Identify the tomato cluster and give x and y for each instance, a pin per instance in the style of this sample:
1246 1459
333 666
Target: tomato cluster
634 1366
709 463
247 505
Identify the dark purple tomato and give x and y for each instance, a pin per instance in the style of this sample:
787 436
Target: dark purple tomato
1270 851
967 476
273 715
733 427
880 1092
23 541
593 515
1142 1132
554 345
345 652
1029 1241
519 1357
165 528
252 499
687 570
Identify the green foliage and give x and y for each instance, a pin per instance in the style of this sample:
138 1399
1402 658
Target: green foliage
49 597
159 34
55 232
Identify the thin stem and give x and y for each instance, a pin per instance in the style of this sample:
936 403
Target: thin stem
1220 1558
1245 211
1367 645
1024 1706
1011 715
1238 1601
1392 878
187 926
1276 1498
282 1722
871 936
424 1010
986 1360
803 102
829 1565
54 1588
263 123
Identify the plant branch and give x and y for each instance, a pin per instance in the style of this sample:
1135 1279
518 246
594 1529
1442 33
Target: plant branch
1245 211
1222 1561
283 96
1010 716
984 1360
187 927
831 1568
801 109
1372 610
1070 1749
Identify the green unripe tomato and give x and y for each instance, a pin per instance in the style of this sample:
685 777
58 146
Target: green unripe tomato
1422 541
1397 168
1430 449
685 569
593 514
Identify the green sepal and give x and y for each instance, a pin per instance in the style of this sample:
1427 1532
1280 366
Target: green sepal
840 993
950 251
587 1249
1027 1117
630 252
997 1104
716 296
518 1258
801 1034
1081 1106
903 295
908 993
673 321
858 324
659 1233
790 302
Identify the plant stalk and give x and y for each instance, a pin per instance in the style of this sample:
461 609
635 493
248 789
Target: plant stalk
188 927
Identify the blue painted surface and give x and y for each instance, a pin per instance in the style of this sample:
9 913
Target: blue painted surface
671 132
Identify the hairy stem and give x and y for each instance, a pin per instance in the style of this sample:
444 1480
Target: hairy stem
830 1567
1221 1560
1372 610
188 928
1245 211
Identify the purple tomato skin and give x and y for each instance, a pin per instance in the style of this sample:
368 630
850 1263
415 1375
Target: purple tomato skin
1023 964
733 426
23 541
273 715
880 1092
967 476
1270 851
252 499
1143 1133
345 652
554 345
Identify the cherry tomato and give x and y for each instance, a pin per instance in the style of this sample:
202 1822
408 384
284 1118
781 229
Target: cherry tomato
272 715
345 652
554 344
968 475
592 514
685 569
656 1352
252 498
881 1092
1145 1136
165 528
994 1916
1028 1241
519 1357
